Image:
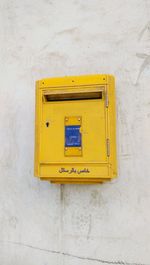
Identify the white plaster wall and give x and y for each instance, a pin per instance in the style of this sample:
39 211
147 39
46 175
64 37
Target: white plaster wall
44 224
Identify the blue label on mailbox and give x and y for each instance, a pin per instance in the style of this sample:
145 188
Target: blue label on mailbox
72 136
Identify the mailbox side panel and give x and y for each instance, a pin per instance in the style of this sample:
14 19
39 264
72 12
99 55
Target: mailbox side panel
37 120
112 126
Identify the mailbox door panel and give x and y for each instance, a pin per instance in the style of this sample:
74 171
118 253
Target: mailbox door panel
93 130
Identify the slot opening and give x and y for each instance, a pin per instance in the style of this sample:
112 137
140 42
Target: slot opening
64 96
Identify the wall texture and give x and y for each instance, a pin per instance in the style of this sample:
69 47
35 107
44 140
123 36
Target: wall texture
46 224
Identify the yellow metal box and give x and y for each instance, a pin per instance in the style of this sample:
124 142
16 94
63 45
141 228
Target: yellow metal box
75 129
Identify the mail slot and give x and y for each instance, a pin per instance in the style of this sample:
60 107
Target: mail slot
75 129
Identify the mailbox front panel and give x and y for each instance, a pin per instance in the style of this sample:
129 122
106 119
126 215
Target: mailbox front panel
92 131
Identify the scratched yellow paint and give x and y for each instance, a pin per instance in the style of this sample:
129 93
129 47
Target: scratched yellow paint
75 129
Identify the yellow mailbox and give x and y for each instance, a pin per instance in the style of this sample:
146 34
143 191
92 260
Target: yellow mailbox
75 129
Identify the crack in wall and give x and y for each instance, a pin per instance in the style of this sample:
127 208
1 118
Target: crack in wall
144 65
147 27
115 262
146 57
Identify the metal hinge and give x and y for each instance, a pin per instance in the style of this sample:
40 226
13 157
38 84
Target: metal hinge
108 146
106 99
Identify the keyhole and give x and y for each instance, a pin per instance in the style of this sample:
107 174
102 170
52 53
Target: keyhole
47 124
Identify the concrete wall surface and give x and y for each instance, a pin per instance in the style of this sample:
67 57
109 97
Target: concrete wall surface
45 224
